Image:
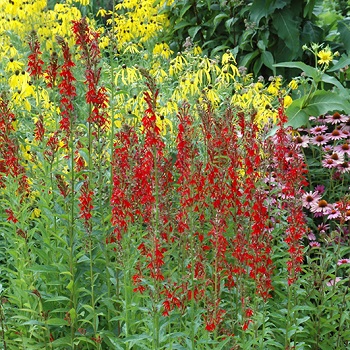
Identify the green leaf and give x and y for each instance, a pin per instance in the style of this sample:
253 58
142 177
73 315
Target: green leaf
260 9
309 7
72 314
83 259
287 29
218 19
57 322
33 323
43 268
185 9
344 31
268 60
248 58
66 341
181 24
327 101
133 339
257 66
193 31
308 70
302 320
57 298
229 23
343 61
322 102
311 33
332 80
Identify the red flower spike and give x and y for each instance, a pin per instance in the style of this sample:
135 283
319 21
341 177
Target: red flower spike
11 216
67 89
85 205
87 40
35 63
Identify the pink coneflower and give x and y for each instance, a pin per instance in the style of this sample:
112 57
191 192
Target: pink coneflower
314 244
343 261
346 131
331 283
319 129
327 148
346 126
301 141
332 160
333 213
311 236
343 148
344 167
320 207
319 140
309 198
320 189
329 163
336 134
347 214
335 118
337 157
322 228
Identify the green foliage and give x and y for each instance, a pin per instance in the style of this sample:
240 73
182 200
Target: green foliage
260 33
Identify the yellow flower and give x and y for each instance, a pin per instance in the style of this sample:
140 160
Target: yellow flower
177 64
287 101
102 12
131 47
36 213
293 84
163 50
197 50
325 56
13 65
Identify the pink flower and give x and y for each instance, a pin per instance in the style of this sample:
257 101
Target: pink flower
321 207
317 130
333 282
302 141
314 244
333 213
343 261
319 140
344 167
336 118
311 236
343 148
337 134
310 197
329 163
320 189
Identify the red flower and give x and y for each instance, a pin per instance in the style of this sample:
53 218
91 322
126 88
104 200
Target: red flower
85 205
11 216
35 63
67 89
51 71
39 129
87 40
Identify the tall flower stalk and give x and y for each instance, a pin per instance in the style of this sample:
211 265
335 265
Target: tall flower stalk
67 91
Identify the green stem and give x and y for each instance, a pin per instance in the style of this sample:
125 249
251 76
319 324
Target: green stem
2 324
289 316
73 297
191 233
156 223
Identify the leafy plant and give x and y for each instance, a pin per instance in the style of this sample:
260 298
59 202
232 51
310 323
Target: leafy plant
319 92
259 33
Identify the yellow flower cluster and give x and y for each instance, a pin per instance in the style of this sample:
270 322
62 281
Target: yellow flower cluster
135 23
18 20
